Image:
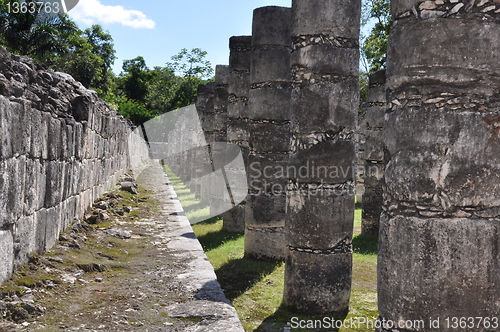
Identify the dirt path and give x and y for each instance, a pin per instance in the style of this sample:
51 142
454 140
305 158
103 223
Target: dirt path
143 271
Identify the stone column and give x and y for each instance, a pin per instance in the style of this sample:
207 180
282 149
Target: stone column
204 105
320 196
439 236
237 115
373 153
269 114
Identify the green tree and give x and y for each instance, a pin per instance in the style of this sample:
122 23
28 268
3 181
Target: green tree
26 34
194 70
374 46
135 78
162 89
191 64
102 46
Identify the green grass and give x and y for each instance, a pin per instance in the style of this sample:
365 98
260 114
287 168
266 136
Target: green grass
255 287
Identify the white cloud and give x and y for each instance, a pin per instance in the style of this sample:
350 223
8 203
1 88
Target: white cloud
93 11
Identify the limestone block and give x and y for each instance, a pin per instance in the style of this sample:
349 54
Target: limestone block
326 162
418 148
272 26
313 280
328 209
37 138
445 52
269 137
266 210
234 219
336 105
334 18
237 131
54 139
7 254
5 128
270 103
451 260
30 193
268 172
221 75
328 59
239 84
268 243
239 58
375 117
270 65
24 239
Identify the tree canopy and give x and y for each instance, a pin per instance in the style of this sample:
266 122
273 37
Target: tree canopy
374 46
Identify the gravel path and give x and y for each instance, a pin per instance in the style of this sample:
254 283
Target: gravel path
146 274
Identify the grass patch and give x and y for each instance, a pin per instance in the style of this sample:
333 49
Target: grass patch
255 287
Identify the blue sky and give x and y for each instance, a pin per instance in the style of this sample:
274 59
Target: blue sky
157 30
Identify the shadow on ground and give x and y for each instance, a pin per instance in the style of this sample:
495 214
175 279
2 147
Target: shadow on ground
239 275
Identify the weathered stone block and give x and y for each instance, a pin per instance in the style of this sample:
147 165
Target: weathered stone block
328 59
418 148
266 210
335 105
265 243
446 53
268 173
239 58
333 17
234 219
329 213
270 65
270 103
269 137
221 75
327 162
272 26
451 260
237 131
316 282
375 117
5 127
7 254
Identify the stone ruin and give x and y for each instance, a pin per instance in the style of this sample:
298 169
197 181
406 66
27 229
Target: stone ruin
439 231
60 149
371 161
289 99
429 155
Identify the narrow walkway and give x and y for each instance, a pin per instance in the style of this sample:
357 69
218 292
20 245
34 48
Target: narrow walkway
207 301
152 277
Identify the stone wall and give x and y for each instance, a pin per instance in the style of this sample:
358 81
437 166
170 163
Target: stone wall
320 196
269 128
439 237
373 153
61 147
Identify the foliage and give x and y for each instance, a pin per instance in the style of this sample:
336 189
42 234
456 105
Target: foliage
26 34
374 46
161 89
56 41
135 111
191 64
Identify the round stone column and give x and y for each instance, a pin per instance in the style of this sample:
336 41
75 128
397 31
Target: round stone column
320 196
269 124
439 238
237 116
